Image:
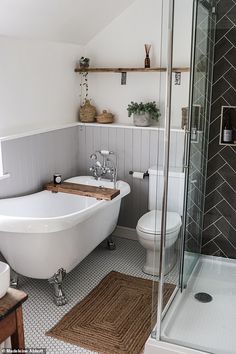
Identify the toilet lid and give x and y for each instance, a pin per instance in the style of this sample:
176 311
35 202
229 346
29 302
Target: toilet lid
151 222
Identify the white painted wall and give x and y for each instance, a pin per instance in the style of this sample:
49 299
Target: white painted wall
38 87
73 21
121 43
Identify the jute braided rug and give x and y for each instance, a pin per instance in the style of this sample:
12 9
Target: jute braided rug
114 318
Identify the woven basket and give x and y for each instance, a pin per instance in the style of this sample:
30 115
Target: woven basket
87 113
105 118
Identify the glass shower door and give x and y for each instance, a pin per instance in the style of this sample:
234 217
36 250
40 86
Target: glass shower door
197 134
202 26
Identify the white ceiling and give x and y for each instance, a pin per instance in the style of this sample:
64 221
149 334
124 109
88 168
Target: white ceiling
75 21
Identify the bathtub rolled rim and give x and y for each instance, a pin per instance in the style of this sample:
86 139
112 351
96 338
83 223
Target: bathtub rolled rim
32 224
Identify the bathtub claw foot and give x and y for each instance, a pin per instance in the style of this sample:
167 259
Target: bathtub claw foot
56 280
111 244
14 282
60 300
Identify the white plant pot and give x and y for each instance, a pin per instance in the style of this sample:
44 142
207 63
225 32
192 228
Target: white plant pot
142 120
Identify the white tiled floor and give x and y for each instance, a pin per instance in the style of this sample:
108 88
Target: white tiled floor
40 313
210 327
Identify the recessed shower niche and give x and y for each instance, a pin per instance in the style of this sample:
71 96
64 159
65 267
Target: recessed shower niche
228 125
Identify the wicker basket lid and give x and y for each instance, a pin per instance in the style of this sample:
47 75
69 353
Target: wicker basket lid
105 115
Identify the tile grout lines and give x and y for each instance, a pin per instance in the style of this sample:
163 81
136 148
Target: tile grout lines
221 216
225 15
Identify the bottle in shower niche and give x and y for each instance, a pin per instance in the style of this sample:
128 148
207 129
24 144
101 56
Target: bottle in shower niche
227 130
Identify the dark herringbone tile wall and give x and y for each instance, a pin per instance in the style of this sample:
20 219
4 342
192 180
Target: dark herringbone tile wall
201 100
219 235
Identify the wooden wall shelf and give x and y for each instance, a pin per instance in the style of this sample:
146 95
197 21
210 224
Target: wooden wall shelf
122 70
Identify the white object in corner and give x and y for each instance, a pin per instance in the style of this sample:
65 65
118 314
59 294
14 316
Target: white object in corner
4 278
4 176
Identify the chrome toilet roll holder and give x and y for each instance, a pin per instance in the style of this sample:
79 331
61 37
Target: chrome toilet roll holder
145 174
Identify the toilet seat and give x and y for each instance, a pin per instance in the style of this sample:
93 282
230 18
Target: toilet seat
150 224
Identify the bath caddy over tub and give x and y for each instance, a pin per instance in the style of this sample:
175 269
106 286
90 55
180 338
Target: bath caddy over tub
45 235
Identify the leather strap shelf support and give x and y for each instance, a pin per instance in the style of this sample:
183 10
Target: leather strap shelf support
84 190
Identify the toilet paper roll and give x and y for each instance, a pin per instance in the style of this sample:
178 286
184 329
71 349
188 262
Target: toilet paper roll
138 175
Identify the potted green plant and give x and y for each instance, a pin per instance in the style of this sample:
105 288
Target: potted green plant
143 113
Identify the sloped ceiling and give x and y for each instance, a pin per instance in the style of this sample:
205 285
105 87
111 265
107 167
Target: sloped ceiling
74 21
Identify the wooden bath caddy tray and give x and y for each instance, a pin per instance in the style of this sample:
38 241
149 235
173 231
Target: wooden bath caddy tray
83 189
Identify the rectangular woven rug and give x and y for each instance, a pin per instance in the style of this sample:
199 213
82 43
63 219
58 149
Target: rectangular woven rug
114 318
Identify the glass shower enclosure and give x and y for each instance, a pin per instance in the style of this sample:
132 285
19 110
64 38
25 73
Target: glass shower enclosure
196 131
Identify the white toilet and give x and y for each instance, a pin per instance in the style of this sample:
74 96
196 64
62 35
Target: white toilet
149 225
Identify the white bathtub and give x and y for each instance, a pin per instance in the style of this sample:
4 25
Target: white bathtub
43 232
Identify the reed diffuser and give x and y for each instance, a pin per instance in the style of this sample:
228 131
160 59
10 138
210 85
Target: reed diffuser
147 59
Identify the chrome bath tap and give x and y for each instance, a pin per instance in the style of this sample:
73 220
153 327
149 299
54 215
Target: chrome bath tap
106 169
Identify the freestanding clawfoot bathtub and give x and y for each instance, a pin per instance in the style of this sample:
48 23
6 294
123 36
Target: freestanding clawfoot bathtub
44 235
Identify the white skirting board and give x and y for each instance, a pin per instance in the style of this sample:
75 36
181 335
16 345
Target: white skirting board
125 232
153 346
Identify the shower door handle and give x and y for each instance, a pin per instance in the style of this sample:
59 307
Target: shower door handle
186 148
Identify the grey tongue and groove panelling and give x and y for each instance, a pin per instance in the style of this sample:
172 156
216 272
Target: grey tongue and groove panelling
137 150
32 160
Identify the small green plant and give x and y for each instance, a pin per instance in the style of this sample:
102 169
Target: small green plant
141 108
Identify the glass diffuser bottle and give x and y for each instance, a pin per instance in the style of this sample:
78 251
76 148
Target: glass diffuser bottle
147 59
